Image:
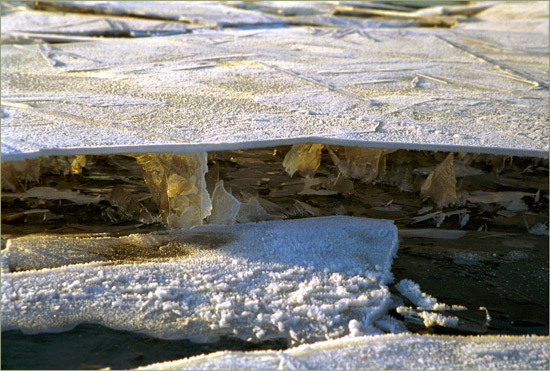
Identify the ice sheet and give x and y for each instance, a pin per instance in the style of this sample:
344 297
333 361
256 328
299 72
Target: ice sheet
459 89
205 13
394 352
303 280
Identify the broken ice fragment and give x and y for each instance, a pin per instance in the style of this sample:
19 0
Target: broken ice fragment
411 291
131 208
177 183
366 164
429 319
440 185
78 163
224 206
539 229
304 159
48 193
17 172
499 162
253 211
305 209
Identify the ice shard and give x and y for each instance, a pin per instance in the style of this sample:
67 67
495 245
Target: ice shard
304 159
225 206
440 185
178 185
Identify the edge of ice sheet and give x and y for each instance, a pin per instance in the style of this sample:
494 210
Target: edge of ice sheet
303 280
230 146
397 352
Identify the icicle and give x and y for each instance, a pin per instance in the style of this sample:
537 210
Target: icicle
304 159
440 185
178 185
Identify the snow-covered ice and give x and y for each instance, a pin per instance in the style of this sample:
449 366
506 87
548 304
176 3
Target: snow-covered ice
477 88
383 352
302 280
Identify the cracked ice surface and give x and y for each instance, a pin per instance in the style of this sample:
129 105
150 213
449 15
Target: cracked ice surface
303 280
459 89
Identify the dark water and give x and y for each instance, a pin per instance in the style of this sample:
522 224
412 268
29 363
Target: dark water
94 347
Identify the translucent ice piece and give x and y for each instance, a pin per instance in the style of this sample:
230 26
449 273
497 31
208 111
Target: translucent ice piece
78 163
177 184
224 206
304 159
440 185
253 211
17 172
366 164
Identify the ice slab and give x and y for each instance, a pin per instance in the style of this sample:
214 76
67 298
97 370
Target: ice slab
459 89
393 352
205 13
302 280
21 26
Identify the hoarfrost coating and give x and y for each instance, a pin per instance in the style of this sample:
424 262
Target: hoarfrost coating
393 352
304 280
466 89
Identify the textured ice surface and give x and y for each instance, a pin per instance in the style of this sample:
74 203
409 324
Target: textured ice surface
215 89
52 26
393 352
304 280
205 13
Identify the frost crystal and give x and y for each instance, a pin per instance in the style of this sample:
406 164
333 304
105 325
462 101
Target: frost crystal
178 186
411 291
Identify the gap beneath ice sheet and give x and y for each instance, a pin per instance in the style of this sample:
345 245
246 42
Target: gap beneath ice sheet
93 347
497 264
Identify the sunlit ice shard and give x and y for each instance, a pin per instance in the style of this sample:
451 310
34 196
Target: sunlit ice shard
301 280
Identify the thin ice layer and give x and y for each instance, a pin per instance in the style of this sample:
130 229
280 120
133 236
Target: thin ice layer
473 91
394 352
303 280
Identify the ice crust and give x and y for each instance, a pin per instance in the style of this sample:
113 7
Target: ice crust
383 352
479 90
303 280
